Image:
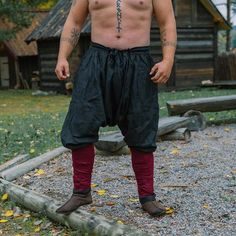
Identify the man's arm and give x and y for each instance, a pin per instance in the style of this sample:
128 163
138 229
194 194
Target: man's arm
70 36
164 14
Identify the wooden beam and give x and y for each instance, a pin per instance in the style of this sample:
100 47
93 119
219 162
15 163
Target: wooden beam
23 168
111 143
207 104
86 223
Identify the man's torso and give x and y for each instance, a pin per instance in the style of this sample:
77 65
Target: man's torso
121 24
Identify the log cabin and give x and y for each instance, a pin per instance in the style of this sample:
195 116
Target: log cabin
198 23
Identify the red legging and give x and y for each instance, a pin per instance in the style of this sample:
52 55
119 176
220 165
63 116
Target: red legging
142 163
82 162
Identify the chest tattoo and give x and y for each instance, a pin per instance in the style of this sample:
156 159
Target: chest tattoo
118 15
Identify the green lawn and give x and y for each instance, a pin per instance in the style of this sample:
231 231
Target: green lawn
32 124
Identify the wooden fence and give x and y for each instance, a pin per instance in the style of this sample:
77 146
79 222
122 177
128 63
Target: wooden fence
226 66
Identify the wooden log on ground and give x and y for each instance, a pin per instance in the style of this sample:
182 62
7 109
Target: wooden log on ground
207 104
86 223
110 144
15 161
179 134
226 84
169 124
23 168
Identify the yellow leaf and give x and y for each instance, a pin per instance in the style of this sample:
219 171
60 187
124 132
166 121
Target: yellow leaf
4 197
120 222
40 172
93 185
37 229
133 200
3 221
226 129
27 215
32 150
114 196
101 192
205 206
9 213
18 235
169 210
175 151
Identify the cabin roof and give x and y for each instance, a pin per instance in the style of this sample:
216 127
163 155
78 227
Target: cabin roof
216 14
17 45
52 25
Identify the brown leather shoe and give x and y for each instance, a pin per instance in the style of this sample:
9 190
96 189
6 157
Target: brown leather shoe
78 198
152 206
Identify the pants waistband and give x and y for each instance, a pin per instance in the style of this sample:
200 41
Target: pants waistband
140 49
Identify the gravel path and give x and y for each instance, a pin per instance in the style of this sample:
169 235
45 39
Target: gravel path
197 179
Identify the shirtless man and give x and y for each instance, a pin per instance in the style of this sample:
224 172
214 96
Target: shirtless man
116 84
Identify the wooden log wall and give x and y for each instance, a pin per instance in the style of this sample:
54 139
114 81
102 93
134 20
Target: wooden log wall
48 51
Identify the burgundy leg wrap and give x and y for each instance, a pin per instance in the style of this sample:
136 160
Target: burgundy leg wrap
82 162
143 166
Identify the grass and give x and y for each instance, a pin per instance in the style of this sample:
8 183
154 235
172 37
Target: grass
32 124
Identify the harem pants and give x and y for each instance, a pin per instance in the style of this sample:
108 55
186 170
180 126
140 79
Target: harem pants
113 87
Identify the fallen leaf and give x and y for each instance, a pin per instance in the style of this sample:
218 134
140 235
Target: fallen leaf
27 215
32 150
226 129
205 206
128 177
133 200
169 210
8 213
3 221
120 222
26 177
37 229
114 196
92 209
110 203
4 196
108 180
175 151
39 172
94 185
101 192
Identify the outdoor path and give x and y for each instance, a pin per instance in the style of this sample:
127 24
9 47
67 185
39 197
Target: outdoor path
197 179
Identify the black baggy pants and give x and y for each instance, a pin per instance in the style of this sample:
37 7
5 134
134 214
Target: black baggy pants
113 87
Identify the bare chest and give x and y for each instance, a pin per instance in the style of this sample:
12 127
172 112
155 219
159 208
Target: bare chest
117 5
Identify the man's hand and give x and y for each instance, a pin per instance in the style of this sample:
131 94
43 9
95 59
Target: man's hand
62 69
161 71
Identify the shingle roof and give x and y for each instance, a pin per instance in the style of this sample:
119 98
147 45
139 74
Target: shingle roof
17 45
52 25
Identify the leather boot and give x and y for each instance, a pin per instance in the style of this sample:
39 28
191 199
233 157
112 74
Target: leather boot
152 206
78 198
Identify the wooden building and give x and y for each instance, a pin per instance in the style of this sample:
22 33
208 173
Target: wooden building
17 57
198 22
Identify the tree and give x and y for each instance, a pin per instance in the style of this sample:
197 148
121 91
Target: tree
18 14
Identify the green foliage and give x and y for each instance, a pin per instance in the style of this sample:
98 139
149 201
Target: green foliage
19 14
